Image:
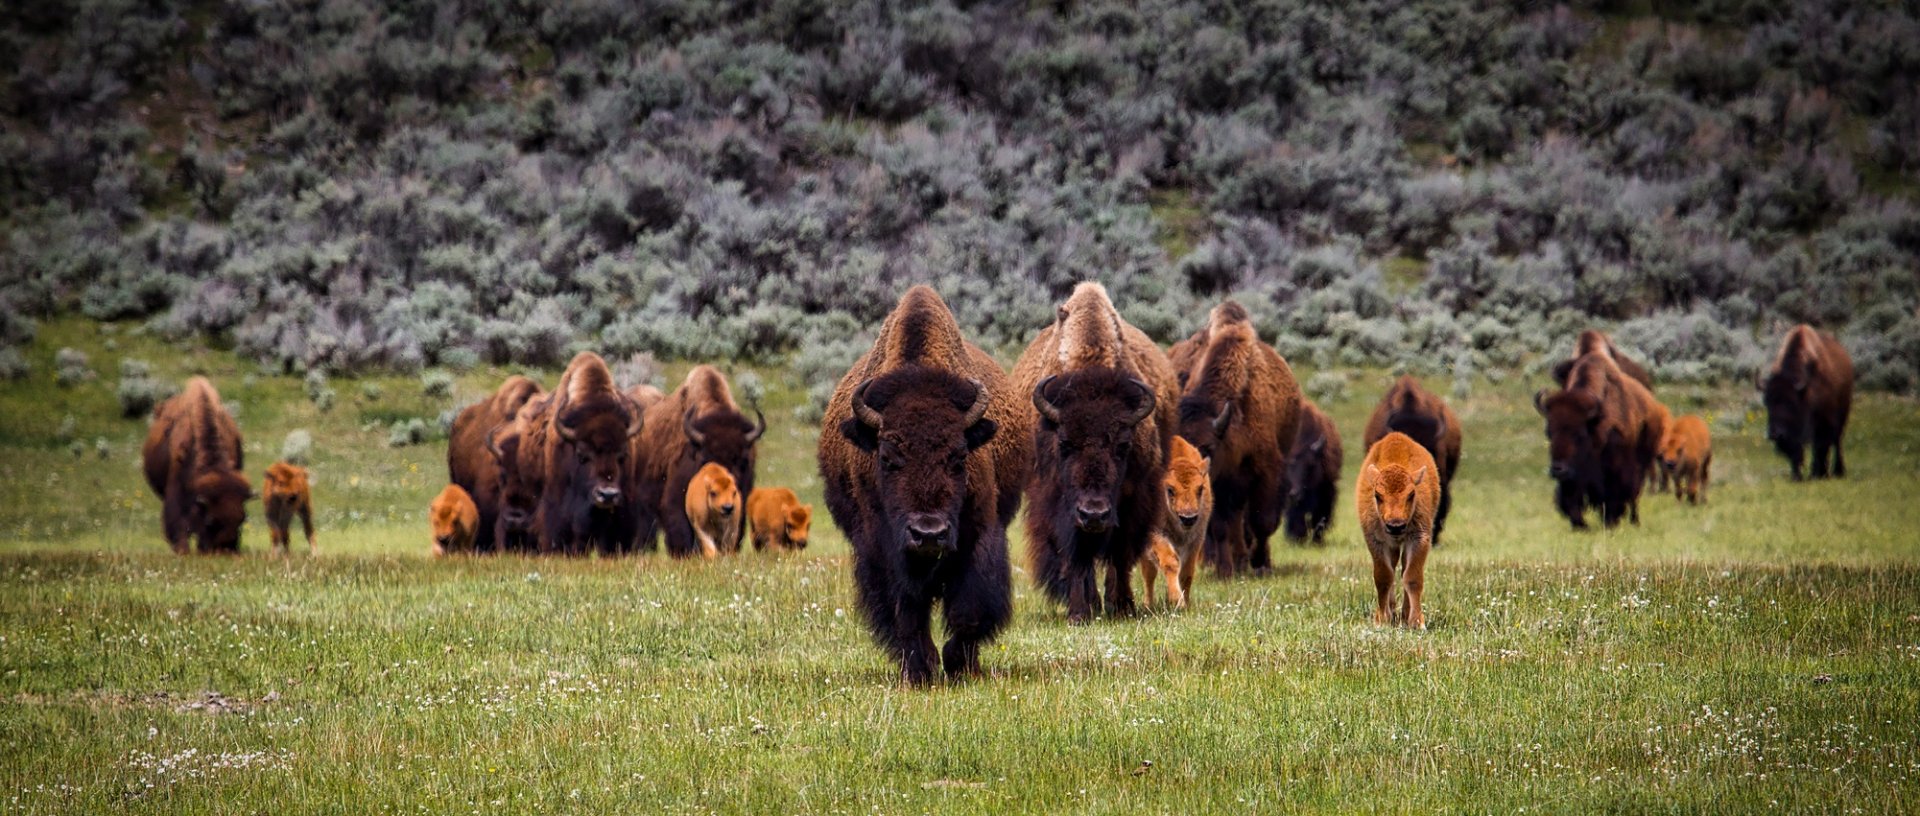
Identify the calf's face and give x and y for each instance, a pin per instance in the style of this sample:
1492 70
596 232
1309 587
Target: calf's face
1395 497
920 426
799 520
1187 484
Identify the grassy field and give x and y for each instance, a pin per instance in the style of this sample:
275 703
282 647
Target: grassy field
1760 652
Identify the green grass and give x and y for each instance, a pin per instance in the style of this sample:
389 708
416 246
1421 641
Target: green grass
1761 651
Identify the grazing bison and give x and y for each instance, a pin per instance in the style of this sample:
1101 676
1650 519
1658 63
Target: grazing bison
1241 410
1600 439
779 519
697 424
1687 455
523 478
923 450
712 498
1100 397
1313 475
287 495
1398 497
455 520
589 492
1424 416
1594 342
471 463
1809 393
1175 549
193 462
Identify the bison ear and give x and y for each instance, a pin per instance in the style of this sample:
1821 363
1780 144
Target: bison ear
1373 471
1206 464
1420 475
863 436
1540 401
980 433
567 432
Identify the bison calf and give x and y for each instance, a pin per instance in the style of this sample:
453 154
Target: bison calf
779 519
712 498
1686 454
287 495
455 519
1175 548
1398 493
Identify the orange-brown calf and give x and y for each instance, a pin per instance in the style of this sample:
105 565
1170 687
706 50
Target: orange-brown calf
455 519
286 496
1686 452
1398 492
1175 549
779 519
712 501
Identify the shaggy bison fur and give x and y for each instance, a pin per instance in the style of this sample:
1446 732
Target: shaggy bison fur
193 461
1809 393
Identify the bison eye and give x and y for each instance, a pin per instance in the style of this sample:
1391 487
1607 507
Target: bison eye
889 463
1169 492
583 458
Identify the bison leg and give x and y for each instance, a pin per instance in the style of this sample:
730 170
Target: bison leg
1820 446
1839 458
1119 590
306 525
1382 588
1440 514
1081 593
977 604
1149 573
913 640
1567 496
1416 581
1701 478
679 534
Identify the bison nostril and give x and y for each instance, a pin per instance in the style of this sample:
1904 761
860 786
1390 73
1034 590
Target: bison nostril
1189 520
726 509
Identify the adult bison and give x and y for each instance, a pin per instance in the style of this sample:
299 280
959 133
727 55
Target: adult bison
193 462
1423 416
1809 393
1101 399
697 424
472 464
1595 342
1313 475
1601 440
923 451
589 491
1241 409
514 446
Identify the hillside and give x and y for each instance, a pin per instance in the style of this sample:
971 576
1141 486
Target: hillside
1442 185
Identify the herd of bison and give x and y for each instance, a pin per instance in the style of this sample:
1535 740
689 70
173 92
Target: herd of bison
1125 455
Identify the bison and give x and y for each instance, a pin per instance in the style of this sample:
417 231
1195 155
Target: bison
779 519
712 498
471 462
193 462
287 495
1601 440
588 500
1313 475
1100 397
1398 497
1686 452
1175 550
923 452
1809 393
1595 342
697 424
522 477
1241 409
1424 416
455 520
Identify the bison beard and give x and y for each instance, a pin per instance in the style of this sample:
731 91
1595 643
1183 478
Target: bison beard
1094 497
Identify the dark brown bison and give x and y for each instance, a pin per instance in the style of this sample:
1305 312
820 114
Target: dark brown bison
1313 475
923 451
1425 417
1241 409
1599 440
471 463
193 462
697 424
588 499
523 478
1809 393
1101 399
1595 342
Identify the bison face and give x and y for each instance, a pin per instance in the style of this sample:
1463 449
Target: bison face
724 438
799 521
597 436
920 425
1306 471
1573 432
1394 497
1087 423
518 493
1789 423
1204 423
219 509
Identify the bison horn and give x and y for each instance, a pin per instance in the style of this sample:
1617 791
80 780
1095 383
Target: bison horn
693 434
1221 421
1042 404
979 407
760 425
1540 401
862 410
1147 403
493 442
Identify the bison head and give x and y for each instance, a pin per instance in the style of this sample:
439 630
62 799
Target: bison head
1306 471
799 521
597 434
519 488
1573 433
1187 483
1087 422
1394 495
723 493
219 509
1204 423
920 425
724 438
1789 421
